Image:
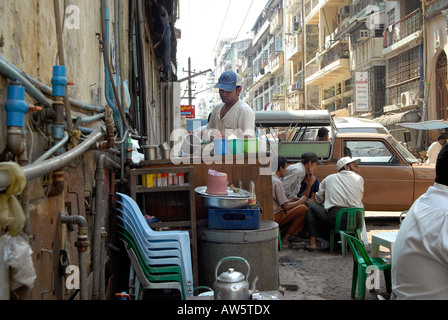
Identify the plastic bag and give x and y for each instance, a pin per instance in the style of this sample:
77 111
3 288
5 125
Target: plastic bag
17 255
11 212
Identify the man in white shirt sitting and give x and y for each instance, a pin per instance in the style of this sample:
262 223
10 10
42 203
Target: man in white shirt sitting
420 255
344 189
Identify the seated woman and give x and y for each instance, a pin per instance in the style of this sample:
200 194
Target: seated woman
290 214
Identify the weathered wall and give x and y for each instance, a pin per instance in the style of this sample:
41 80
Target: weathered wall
28 41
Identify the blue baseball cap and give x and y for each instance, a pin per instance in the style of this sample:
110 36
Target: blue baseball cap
228 81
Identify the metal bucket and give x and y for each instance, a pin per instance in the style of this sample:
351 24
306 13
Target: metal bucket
259 247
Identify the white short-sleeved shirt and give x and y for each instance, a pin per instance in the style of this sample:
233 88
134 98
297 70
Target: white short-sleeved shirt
240 116
420 255
293 178
433 152
343 189
278 193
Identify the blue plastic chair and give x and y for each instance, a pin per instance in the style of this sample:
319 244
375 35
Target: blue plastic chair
131 212
162 257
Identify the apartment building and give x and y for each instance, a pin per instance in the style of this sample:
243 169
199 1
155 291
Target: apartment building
376 59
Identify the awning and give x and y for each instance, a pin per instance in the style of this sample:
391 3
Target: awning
426 125
398 118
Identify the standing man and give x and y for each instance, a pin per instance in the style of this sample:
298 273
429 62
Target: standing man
434 149
232 114
420 255
289 213
344 189
299 172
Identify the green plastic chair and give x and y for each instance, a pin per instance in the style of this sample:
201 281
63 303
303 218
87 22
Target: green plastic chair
361 260
350 227
148 271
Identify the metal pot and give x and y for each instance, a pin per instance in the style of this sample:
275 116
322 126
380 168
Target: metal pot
232 285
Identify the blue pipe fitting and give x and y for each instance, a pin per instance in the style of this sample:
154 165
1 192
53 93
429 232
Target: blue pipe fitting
16 107
59 81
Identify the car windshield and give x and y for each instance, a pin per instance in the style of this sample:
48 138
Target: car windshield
403 151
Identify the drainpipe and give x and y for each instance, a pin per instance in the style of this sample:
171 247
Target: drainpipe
62 62
82 244
98 266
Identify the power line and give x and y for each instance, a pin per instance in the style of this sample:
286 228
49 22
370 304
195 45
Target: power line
222 26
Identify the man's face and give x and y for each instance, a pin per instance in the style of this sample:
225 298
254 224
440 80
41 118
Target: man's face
310 167
353 167
229 96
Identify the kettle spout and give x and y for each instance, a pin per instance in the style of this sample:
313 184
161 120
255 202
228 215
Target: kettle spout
253 285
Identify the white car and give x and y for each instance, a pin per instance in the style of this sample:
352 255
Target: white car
349 124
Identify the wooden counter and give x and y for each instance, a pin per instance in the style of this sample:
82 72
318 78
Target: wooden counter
238 168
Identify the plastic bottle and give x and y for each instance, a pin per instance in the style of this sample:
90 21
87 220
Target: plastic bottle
181 178
253 197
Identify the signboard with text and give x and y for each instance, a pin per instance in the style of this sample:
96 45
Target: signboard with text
187 111
362 91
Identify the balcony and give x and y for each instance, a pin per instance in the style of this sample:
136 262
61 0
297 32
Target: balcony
277 21
293 45
312 11
403 32
291 6
246 67
276 61
334 66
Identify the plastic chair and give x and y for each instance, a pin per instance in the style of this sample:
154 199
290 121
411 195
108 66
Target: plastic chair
162 255
133 208
362 260
150 281
161 259
351 227
158 250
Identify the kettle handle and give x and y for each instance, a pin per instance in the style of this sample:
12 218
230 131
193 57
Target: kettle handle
232 258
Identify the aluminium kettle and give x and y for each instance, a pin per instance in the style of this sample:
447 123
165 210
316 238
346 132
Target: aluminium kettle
232 285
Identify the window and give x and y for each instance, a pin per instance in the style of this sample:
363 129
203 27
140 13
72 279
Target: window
370 152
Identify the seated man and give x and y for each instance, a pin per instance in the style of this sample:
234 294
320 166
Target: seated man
289 213
419 258
344 189
297 173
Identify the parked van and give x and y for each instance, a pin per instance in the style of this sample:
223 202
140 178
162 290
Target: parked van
393 177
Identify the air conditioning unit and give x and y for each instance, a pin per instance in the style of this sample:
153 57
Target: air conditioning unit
406 99
364 34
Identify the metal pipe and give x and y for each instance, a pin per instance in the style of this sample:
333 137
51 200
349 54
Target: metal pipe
48 90
53 149
47 166
82 244
9 72
102 161
62 62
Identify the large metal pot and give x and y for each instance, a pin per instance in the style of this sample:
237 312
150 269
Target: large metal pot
232 285
233 200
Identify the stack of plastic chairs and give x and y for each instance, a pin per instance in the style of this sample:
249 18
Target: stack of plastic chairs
161 259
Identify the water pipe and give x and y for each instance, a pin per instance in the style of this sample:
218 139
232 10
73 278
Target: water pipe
16 108
53 149
82 244
7 71
62 62
48 90
97 249
105 18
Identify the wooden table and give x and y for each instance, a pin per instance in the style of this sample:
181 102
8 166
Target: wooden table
385 239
